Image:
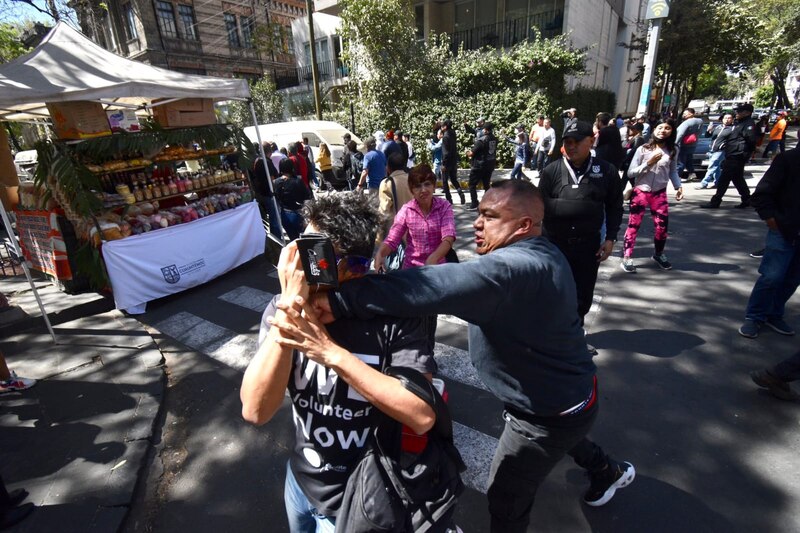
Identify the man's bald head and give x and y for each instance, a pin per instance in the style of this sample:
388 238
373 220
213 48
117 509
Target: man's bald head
522 198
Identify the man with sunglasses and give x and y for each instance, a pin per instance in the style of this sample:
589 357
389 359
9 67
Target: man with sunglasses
336 382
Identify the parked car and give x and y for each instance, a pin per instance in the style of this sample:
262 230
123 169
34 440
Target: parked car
701 158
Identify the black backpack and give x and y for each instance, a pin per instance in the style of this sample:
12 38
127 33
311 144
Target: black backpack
357 164
393 491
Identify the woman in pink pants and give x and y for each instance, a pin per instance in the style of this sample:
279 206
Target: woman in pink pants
652 167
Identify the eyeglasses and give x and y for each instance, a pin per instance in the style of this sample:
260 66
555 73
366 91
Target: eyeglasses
355 263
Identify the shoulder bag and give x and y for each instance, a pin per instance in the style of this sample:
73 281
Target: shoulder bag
394 261
395 491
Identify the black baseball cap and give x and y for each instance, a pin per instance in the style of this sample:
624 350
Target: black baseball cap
578 130
744 107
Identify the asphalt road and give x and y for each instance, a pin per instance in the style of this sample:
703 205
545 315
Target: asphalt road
712 452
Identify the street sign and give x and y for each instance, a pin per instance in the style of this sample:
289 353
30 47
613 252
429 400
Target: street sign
657 9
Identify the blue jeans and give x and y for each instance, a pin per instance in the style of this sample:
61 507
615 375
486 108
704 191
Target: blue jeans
303 517
780 276
516 172
685 158
292 223
714 168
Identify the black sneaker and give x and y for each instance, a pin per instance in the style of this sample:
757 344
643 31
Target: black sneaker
742 205
778 388
709 205
471 208
661 260
605 483
758 254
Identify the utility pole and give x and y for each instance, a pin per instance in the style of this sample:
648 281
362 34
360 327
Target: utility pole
314 70
657 10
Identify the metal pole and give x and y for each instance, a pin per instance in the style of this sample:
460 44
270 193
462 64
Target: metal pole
314 69
649 66
269 179
18 251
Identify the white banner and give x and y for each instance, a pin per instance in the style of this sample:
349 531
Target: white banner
162 262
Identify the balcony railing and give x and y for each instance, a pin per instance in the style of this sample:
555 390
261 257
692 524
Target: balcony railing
294 77
182 45
509 32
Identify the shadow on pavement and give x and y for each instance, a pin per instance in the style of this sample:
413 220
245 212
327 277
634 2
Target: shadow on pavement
652 342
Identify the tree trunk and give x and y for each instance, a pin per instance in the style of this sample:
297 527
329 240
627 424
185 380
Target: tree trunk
779 83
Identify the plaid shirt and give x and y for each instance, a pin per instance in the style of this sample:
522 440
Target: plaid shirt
425 234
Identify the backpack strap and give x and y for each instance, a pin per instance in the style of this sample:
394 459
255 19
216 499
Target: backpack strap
415 382
394 193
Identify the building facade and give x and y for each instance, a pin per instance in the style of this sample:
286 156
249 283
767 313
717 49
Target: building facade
596 25
225 38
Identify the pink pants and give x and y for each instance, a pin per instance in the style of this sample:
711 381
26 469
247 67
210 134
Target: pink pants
659 209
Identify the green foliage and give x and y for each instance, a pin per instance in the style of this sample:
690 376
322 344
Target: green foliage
538 63
727 34
397 81
267 101
10 45
711 81
590 101
764 96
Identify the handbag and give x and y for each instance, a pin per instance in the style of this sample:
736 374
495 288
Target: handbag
394 261
689 139
393 491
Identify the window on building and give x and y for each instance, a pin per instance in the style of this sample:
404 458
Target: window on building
166 19
248 27
516 9
277 37
485 12
188 23
289 40
233 31
130 21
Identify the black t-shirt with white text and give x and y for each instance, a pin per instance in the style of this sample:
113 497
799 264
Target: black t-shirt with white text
332 420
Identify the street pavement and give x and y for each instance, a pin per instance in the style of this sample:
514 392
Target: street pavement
712 452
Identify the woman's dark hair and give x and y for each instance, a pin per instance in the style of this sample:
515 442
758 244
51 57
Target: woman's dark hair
352 146
350 219
669 142
419 175
286 167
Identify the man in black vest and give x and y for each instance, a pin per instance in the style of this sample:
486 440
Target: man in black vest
739 147
581 195
450 162
484 159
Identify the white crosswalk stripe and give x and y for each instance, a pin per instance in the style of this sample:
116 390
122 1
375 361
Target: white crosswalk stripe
236 350
222 344
249 298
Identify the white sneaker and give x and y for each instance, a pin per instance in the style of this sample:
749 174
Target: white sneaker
627 265
16 383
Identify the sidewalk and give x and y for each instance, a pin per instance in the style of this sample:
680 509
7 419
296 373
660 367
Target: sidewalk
78 440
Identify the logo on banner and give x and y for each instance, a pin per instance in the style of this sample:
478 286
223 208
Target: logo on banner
171 274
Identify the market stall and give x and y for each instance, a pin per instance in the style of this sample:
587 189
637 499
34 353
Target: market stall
132 189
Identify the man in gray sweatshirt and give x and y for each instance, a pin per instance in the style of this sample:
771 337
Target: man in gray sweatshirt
525 340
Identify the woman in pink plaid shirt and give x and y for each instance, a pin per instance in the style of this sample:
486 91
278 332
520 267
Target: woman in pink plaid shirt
426 221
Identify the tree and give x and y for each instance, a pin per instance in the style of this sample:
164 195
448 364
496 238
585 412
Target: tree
689 41
47 11
782 46
266 100
10 45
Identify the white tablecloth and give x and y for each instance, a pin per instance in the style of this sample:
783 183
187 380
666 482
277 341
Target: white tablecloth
162 262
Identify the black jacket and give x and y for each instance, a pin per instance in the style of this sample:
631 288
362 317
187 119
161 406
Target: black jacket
778 194
449 148
609 146
580 212
742 140
484 152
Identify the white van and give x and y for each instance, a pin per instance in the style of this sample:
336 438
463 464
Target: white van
317 131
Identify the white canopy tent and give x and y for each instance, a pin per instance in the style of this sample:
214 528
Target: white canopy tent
68 66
